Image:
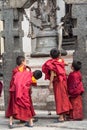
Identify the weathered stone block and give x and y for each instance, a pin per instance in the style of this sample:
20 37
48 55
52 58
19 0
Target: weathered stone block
12 35
20 4
79 11
17 3
75 1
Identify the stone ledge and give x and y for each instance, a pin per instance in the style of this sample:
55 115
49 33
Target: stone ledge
44 116
2 108
18 4
75 1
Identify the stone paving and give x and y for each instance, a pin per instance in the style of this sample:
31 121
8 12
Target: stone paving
45 122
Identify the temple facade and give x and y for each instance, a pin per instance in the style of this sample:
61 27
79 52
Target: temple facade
30 28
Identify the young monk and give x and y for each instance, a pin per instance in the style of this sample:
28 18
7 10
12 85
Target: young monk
76 89
54 70
20 104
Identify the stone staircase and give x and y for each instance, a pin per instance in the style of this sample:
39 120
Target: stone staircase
69 43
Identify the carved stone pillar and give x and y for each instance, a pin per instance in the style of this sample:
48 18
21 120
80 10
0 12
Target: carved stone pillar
12 16
79 13
12 35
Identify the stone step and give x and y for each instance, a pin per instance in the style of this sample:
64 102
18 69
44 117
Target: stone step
44 114
2 101
68 43
2 108
46 105
66 39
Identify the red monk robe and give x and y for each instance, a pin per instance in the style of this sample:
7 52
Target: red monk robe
20 103
63 104
75 89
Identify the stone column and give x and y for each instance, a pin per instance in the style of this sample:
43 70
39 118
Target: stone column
12 35
79 12
61 12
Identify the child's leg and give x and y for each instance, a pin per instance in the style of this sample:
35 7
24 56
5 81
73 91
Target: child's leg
11 120
35 119
61 118
31 122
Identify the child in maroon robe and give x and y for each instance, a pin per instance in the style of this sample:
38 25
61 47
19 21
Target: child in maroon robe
54 70
76 89
20 104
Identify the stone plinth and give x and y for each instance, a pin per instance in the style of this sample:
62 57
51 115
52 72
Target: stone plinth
45 41
19 4
75 1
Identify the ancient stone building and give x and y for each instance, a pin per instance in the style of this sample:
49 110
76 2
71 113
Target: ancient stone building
45 32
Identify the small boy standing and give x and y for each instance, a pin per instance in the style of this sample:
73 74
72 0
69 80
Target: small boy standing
76 89
20 104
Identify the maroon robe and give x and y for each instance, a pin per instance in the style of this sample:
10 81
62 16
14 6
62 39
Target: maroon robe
20 104
75 89
1 86
63 104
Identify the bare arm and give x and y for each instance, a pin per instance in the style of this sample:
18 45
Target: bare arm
51 80
66 63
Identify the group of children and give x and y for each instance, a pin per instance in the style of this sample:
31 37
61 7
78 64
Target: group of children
67 90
